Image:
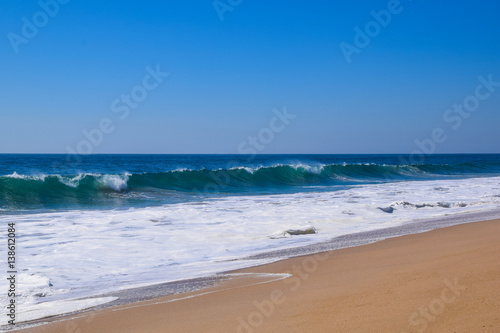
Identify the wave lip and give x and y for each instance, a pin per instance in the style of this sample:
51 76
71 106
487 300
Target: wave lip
17 188
188 239
117 183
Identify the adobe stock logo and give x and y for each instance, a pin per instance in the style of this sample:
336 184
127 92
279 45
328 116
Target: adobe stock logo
428 314
120 106
223 6
40 19
373 28
454 117
253 144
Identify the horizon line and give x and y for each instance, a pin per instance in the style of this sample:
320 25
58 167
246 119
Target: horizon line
94 154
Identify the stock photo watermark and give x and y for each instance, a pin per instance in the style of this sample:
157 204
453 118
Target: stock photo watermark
266 307
31 26
373 28
251 145
72 327
223 6
254 144
437 306
11 273
121 107
454 118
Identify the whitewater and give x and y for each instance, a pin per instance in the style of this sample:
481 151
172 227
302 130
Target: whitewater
91 231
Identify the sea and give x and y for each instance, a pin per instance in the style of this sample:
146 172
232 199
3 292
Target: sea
88 226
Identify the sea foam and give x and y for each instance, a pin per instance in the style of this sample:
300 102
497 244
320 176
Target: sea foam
81 253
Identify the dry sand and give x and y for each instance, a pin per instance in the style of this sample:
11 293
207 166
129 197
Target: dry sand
446 280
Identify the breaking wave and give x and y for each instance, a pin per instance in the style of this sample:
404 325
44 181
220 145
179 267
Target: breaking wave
16 188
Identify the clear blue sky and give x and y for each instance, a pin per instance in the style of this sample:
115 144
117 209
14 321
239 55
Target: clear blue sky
226 76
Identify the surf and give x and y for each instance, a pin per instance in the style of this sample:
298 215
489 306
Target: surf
18 188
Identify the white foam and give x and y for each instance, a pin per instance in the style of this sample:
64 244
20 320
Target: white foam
68 255
34 286
114 182
49 309
72 182
316 169
15 175
247 169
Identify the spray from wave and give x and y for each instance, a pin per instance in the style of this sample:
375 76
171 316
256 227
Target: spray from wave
16 189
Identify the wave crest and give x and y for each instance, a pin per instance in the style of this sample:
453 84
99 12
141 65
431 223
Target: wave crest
18 188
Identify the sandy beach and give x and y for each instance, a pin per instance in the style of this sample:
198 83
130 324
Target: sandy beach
445 280
245 166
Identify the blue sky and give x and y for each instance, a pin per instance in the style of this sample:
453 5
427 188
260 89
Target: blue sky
226 76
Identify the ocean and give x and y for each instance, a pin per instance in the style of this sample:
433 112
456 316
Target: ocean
91 225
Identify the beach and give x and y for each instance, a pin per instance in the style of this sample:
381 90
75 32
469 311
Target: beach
444 280
202 238
245 166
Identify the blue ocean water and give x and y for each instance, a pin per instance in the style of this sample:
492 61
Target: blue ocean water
96 224
38 182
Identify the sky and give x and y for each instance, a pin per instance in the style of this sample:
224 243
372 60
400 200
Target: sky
274 76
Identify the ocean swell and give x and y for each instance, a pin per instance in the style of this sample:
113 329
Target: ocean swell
90 187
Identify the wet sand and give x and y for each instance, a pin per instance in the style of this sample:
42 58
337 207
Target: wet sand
445 280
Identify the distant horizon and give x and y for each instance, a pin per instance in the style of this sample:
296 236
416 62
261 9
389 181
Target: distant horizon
159 148
261 154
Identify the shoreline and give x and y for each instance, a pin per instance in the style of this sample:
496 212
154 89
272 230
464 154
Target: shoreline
246 282
226 237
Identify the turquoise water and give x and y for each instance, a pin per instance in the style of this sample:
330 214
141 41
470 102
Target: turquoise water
64 182
96 225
